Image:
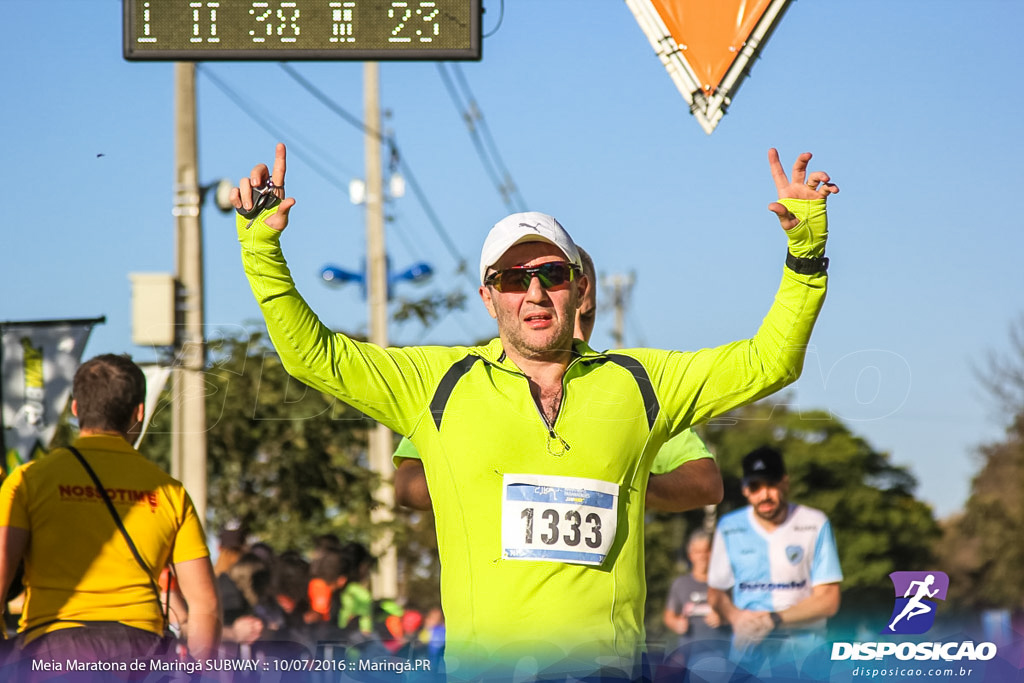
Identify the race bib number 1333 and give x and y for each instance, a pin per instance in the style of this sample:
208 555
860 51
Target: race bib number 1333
557 519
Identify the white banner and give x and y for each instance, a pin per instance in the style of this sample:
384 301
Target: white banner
156 380
39 363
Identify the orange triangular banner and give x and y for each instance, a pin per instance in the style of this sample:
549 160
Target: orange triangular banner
710 34
707 46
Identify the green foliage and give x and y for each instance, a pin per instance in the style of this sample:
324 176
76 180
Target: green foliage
429 309
419 564
665 559
289 463
284 460
982 551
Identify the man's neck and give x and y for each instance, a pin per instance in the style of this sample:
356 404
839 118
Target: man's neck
545 372
544 367
102 432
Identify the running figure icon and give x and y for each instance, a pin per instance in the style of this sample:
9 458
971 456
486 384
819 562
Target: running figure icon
915 606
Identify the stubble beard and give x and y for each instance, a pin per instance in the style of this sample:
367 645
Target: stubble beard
775 516
560 344
552 344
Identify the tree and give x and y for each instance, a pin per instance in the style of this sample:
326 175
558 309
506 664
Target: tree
879 526
981 548
288 462
282 459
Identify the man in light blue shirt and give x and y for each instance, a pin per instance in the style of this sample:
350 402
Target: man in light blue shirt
774 572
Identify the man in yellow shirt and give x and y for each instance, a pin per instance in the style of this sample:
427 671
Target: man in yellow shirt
87 595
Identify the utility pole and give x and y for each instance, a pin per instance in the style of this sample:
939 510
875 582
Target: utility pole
188 441
385 579
621 286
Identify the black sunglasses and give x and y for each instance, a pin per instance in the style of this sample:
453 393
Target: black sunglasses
551 276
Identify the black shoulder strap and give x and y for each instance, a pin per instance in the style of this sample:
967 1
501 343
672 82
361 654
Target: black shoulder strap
447 385
643 382
124 531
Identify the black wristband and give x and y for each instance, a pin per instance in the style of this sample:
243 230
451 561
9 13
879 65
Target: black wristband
776 619
806 266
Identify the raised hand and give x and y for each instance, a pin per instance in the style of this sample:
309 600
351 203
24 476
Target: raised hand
816 185
241 196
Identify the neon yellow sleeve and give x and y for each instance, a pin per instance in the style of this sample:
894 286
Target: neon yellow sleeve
390 385
406 451
681 448
693 387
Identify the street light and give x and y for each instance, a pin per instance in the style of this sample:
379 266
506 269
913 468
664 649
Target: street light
416 273
337 276
221 194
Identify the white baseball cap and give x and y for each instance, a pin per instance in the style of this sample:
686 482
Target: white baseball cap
530 226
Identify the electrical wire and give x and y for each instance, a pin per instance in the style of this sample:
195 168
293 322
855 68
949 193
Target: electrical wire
474 135
414 185
410 178
322 97
398 228
486 149
509 186
501 18
301 149
397 160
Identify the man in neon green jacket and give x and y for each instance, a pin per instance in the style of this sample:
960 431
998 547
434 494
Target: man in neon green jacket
684 474
536 448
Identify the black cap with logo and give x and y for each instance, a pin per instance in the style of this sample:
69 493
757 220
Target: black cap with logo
764 464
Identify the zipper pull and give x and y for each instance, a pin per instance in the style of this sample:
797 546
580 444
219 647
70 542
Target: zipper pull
562 442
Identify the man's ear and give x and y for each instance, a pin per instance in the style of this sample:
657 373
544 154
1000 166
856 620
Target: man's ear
583 286
134 433
485 296
74 407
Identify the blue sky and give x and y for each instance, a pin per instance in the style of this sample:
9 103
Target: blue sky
912 106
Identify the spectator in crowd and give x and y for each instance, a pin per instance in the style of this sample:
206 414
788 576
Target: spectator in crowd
96 524
774 573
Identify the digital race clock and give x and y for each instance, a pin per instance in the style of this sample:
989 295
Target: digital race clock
279 30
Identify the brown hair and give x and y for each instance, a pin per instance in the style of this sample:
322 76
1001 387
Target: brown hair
588 262
591 274
108 389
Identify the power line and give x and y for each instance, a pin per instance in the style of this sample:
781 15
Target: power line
510 185
396 159
429 210
486 149
251 110
474 135
395 154
501 18
248 107
322 97
393 221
